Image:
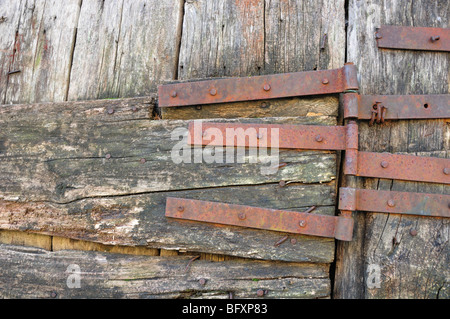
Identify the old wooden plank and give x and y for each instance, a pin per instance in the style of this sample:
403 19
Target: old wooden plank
57 155
304 35
44 42
101 275
139 220
409 266
124 48
255 109
65 157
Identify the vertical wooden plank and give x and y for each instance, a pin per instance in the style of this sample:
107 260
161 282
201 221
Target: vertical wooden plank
396 256
43 51
9 21
304 35
222 38
124 48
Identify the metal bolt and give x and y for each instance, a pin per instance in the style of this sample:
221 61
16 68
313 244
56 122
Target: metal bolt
198 107
447 171
180 209
260 293
319 139
391 203
213 92
325 81
134 109
53 294
242 216
143 160
264 105
111 111
413 232
384 164
267 87
202 281
293 241
282 183
302 223
435 38
108 156
173 94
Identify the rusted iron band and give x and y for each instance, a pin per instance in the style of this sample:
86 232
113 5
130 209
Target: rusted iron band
259 87
261 218
404 167
394 202
313 137
413 38
398 107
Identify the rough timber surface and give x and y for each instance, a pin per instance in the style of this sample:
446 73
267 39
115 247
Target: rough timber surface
52 275
59 180
411 253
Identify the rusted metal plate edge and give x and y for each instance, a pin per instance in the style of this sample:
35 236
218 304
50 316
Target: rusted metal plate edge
260 218
413 38
314 137
435 205
398 107
259 87
404 167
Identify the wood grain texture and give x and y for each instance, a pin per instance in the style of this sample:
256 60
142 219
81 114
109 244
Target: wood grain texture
59 181
411 266
125 48
43 37
46 274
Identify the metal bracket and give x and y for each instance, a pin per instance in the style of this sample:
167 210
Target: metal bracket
259 87
422 204
413 38
313 137
378 108
339 227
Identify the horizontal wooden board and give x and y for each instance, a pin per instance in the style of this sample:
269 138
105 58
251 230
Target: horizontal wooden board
102 275
77 170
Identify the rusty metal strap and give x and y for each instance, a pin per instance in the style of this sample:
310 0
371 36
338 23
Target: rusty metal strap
378 108
403 167
313 137
413 38
261 218
259 87
394 202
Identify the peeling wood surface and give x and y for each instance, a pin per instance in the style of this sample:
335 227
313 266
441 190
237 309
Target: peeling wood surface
412 253
47 274
59 181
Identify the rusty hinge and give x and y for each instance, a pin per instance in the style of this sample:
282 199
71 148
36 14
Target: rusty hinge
413 38
259 87
378 108
314 137
339 227
435 205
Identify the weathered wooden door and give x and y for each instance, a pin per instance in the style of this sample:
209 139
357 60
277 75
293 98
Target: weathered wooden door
85 177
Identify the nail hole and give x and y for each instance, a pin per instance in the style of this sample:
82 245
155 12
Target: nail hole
425 105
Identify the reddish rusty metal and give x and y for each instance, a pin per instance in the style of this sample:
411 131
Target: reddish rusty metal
261 218
259 87
397 107
313 137
394 202
403 167
413 38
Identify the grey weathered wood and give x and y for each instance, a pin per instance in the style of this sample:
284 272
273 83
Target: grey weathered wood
226 38
36 273
125 48
54 166
411 266
43 37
